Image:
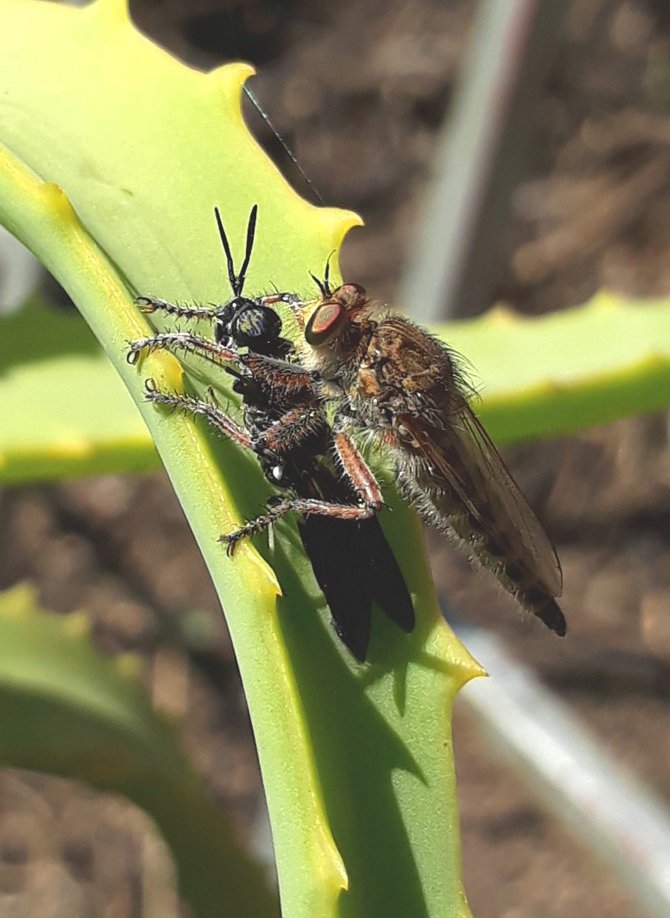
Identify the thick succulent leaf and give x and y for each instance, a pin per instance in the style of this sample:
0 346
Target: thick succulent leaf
114 155
556 374
66 412
536 377
68 710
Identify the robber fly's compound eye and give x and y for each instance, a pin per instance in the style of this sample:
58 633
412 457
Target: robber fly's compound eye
325 322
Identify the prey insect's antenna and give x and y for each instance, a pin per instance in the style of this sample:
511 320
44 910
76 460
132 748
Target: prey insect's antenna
324 285
291 155
237 280
251 232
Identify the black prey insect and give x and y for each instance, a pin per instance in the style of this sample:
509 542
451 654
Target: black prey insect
285 425
389 377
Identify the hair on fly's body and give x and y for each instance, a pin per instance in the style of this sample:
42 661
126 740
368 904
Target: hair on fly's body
402 387
285 426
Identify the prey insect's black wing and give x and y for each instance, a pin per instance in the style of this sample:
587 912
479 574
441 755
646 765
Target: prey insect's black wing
343 579
354 566
387 584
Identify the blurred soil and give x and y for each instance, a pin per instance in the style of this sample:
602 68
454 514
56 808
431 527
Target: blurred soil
359 90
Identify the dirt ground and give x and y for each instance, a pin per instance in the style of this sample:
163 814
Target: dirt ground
592 211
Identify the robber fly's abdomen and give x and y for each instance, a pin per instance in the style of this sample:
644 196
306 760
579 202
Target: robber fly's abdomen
496 546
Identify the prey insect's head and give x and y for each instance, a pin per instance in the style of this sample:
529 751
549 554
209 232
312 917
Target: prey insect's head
334 314
248 323
243 321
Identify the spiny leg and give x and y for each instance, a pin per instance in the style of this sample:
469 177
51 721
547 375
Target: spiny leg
227 426
291 430
359 474
185 341
149 304
358 471
271 371
208 410
288 299
305 506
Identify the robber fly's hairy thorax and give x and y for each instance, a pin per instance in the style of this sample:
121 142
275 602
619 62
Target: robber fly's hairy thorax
393 379
363 373
381 364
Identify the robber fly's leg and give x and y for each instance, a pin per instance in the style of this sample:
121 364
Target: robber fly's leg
148 304
218 419
304 506
358 471
273 373
270 372
185 341
291 430
285 435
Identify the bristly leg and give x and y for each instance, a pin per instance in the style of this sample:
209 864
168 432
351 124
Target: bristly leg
223 423
358 471
303 506
185 341
218 419
148 305
273 372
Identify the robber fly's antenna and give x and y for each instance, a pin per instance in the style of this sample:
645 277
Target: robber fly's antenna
326 274
237 280
291 155
324 285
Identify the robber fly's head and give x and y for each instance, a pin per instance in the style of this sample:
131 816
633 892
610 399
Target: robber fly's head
336 317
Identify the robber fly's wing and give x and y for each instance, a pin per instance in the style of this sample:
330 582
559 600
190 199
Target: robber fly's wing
462 454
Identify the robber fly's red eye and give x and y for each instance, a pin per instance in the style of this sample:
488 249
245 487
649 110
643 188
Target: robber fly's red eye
325 322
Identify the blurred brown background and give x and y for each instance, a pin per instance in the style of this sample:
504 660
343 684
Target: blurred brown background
359 91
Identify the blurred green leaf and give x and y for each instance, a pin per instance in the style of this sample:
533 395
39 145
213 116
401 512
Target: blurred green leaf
65 410
556 374
68 710
114 156
66 413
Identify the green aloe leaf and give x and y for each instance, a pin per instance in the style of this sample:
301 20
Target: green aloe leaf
66 709
66 412
113 157
536 377
557 374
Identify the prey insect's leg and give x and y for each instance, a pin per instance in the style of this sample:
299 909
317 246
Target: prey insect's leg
208 410
306 506
269 371
185 341
148 304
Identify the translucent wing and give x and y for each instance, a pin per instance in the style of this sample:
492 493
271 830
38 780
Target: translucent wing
478 483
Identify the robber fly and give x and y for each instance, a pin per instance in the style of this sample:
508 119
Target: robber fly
394 380
286 427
